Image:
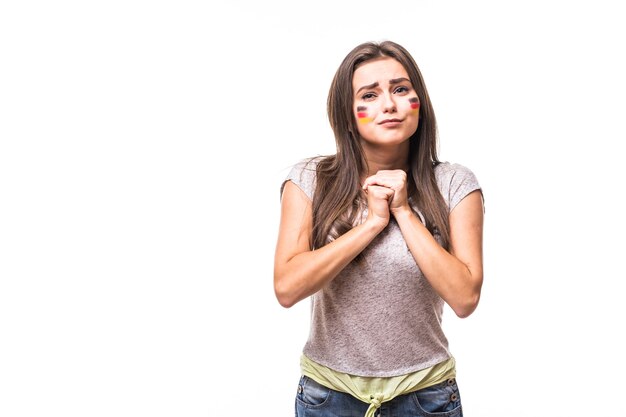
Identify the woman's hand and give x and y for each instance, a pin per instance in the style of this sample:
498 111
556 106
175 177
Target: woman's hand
378 201
394 180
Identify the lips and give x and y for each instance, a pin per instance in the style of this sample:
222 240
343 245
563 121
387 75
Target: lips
390 121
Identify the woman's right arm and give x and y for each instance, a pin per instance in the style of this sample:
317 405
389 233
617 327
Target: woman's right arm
299 271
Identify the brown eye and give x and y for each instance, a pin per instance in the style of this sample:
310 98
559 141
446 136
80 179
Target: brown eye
401 90
368 96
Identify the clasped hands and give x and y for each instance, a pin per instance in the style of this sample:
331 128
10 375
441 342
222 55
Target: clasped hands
386 194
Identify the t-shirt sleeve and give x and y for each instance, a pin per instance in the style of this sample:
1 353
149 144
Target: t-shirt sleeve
456 182
303 175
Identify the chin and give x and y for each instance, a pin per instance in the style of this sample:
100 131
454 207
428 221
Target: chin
385 142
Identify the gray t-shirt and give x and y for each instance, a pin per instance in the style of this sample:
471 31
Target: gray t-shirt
380 317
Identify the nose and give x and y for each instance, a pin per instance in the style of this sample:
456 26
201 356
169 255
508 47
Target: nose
389 105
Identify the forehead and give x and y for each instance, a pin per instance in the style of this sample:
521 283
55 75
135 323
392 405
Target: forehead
379 70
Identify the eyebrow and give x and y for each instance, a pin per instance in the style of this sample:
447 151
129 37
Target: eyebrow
398 80
367 87
374 85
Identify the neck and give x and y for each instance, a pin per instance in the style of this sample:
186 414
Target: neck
381 158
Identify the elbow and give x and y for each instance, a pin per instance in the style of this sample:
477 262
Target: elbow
284 301
465 311
465 308
283 295
468 302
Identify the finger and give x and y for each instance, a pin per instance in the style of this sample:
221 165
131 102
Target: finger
376 180
383 182
395 179
381 192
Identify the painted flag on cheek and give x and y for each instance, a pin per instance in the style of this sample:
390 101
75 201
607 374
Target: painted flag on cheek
361 114
415 104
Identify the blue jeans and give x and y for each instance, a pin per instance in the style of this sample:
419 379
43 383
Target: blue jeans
441 400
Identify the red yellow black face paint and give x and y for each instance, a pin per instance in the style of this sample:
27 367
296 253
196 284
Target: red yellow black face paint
361 114
415 104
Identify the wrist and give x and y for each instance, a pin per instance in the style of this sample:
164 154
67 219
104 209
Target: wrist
402 213
375 224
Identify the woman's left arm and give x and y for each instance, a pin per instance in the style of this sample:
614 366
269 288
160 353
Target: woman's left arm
456 275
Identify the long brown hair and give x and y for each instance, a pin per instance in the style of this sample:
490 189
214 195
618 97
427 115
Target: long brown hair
337 200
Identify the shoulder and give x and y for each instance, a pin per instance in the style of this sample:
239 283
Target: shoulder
307 165
445 171
303 174
455 181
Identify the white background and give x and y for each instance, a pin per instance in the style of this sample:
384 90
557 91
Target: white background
142 146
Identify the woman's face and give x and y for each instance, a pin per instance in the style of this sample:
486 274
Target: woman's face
386 106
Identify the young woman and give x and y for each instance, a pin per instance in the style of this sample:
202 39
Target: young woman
379 236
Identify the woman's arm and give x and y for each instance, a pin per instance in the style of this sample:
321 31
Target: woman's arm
300 271
456 275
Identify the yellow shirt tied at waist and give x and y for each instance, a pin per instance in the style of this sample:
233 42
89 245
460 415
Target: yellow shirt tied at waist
375 391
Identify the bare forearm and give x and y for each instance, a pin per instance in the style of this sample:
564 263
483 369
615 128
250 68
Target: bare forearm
450 278
308 272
